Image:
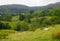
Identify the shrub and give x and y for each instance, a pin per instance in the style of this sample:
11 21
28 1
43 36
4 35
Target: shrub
21 17
7 26
4 26
24 26
56 36
18 28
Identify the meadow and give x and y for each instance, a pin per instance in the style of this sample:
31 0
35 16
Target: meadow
37 35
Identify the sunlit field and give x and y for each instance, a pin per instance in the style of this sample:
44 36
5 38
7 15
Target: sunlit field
38 35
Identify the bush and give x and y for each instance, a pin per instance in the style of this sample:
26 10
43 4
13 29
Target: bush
18 28
7 26
56 36
24 26
21 17
4 26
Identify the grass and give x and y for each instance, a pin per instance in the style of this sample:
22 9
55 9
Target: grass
12 24
4 33
38 35
15 18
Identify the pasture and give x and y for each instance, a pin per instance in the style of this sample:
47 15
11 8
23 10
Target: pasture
37 35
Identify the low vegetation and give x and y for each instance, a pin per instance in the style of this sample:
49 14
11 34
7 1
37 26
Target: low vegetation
25 26
37 35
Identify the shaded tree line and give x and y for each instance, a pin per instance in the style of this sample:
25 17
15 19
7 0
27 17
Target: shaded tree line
4 26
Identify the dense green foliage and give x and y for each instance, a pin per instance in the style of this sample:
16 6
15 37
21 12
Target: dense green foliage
23 23
5 17
4 26
31 20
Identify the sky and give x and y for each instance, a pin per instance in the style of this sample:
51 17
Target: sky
28 2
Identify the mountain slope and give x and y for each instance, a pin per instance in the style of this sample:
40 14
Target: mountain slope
49 6
16 8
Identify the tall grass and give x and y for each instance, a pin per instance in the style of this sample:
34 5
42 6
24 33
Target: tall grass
56 36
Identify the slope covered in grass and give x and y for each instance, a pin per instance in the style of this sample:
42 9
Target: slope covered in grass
38 35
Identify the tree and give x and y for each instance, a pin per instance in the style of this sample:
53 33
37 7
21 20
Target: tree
18 28
24 26
1 25
31 11
27 18
21 17
4 26
7 26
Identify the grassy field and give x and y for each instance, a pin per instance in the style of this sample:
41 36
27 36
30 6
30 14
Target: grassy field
38 35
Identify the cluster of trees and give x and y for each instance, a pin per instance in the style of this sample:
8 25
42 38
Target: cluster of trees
4 26
52 14
34 20
6 17
23 26
42 18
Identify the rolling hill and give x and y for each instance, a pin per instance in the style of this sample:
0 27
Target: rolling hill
17 8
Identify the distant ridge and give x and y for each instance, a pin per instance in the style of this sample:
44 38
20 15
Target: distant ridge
17 8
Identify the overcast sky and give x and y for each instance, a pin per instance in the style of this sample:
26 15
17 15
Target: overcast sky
28 2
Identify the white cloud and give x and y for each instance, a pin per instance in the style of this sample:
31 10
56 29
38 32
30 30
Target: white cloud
28 2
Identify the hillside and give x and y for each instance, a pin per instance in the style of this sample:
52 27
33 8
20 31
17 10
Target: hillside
24 23
38 35
16 8
49 6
